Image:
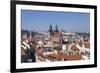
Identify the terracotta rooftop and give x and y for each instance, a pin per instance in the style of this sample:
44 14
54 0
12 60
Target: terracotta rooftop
57 34
74 48
72 57
60 56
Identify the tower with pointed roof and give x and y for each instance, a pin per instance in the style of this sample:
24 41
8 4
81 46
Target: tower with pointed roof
56 29
50 30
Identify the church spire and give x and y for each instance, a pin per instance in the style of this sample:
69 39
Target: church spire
56 28
50 30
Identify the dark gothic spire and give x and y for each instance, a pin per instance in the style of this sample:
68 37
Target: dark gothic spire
50 30
56 29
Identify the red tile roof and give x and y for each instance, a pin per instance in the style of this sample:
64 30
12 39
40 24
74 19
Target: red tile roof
74 48
57 34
